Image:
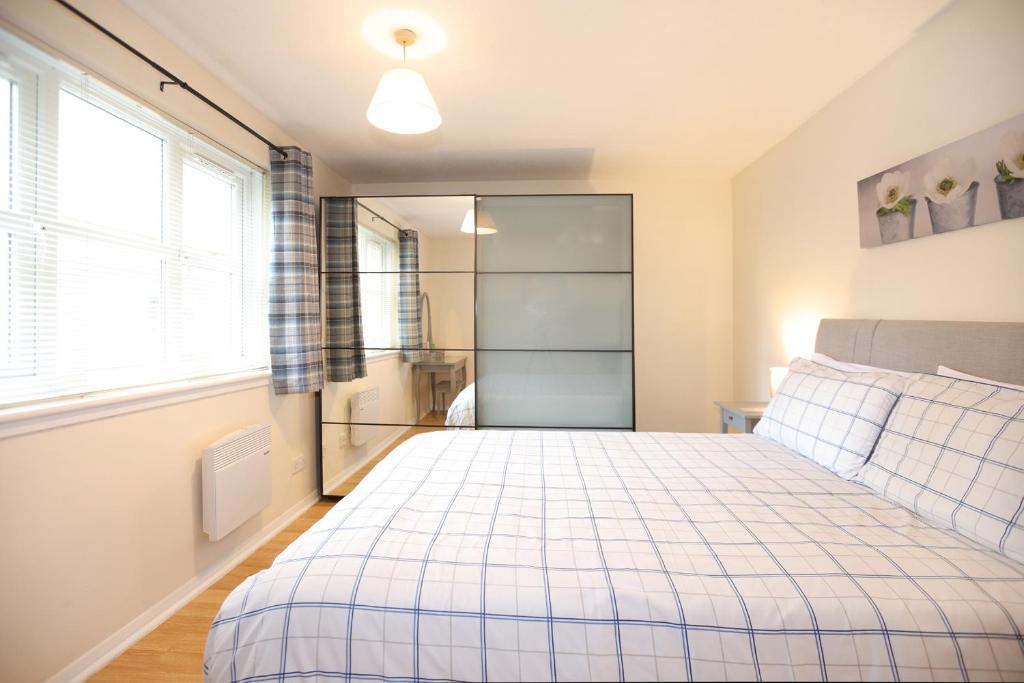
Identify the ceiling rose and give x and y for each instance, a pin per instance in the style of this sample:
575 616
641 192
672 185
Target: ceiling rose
380 27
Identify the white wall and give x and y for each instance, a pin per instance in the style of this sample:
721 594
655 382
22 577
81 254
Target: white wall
797 256
683 279
102 520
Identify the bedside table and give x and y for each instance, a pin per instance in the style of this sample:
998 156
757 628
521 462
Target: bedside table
741 415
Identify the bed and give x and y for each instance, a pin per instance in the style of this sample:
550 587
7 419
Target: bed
469 555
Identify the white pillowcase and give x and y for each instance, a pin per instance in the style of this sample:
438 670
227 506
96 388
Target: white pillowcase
830 362
956 374
953 452
830 416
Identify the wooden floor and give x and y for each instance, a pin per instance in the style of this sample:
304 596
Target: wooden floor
174 650
429 423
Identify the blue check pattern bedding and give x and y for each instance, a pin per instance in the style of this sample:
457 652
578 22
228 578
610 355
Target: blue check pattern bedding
514 555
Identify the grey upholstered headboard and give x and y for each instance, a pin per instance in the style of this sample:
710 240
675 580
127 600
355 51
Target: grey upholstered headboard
991 350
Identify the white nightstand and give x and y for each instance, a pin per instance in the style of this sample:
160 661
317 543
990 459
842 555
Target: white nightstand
742 416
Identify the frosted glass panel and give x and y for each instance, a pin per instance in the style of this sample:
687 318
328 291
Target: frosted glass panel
555 233
576 311
554 389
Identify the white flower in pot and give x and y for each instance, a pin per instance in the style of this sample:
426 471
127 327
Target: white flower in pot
952 194
896 213
1010 181
948 181
893 187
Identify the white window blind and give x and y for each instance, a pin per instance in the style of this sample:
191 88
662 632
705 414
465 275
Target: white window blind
131 252
378 289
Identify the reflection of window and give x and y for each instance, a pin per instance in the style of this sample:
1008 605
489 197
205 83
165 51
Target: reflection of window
378 254
130 251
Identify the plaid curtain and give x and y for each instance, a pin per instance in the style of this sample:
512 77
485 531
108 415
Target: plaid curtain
343 350
295 361
410 326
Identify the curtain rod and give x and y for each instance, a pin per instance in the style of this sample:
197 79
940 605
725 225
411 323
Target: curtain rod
359 203
174 80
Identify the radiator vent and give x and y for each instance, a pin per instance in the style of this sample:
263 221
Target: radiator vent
236 479
365 406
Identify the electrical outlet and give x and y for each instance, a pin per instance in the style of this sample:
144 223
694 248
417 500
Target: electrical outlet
298 464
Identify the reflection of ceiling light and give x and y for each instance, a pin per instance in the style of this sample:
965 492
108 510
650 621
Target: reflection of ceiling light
484 225
402 102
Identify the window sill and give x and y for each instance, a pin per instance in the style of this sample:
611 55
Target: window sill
37 417
378 356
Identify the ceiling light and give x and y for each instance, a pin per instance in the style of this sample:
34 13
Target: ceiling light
484 223
402 102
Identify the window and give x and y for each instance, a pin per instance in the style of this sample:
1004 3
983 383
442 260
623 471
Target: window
377 289
131 252
8 292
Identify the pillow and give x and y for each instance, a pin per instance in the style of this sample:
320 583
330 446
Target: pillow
830 362
953 452
956 374
832 417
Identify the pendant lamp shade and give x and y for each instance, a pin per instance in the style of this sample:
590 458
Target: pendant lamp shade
403 104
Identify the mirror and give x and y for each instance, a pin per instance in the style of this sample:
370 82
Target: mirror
416 285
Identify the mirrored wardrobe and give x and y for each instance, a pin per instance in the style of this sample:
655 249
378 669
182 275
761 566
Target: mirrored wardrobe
471 312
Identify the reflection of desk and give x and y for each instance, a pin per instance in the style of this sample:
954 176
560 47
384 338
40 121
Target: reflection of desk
450 368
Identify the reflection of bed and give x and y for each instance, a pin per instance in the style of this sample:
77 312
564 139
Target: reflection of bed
462 411
577 555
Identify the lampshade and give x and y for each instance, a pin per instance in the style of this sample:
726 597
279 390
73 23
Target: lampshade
403 104
484 223
775 377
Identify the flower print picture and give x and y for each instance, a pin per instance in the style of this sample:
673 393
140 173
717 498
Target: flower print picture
970 182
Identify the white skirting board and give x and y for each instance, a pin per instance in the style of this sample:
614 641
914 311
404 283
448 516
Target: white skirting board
337 479
109 648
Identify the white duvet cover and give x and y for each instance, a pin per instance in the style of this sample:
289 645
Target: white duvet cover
508 555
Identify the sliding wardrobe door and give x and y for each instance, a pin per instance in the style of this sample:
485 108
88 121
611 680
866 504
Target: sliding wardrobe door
554 324
398 309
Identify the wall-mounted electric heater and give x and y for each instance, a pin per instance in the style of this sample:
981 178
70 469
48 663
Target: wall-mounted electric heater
236 479
364 406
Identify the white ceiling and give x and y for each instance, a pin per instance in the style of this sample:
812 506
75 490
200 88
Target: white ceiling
548 89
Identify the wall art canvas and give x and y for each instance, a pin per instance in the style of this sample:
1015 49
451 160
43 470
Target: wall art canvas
970 182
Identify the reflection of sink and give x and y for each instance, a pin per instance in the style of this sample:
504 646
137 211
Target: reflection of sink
433 355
